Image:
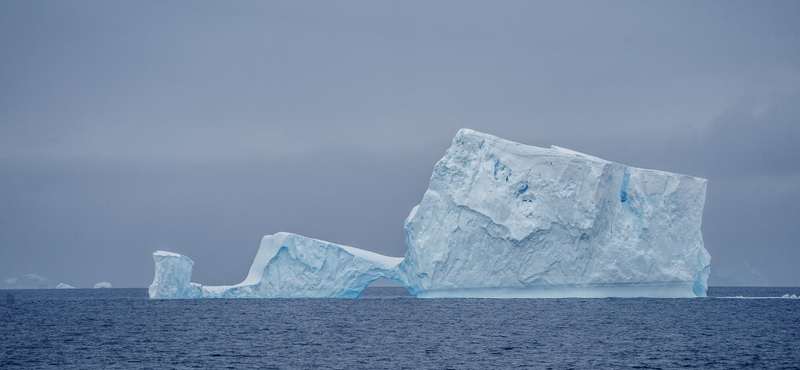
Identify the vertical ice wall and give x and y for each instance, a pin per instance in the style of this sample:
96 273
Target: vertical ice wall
173 277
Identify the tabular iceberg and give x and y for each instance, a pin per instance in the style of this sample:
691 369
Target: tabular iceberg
286 265
501 219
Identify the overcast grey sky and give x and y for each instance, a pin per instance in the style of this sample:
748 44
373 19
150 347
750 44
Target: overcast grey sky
199 127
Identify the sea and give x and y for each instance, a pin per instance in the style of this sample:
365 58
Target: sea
735 328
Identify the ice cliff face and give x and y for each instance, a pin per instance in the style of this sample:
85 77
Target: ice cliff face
286 265
173 276
501 219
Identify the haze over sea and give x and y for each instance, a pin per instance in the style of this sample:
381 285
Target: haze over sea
123 329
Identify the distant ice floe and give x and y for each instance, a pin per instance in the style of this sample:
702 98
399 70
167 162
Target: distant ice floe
785 296
27 281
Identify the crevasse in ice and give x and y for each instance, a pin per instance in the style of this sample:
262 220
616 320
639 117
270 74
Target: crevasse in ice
502 219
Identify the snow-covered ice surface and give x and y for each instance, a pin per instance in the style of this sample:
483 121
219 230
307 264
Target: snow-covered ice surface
286 265
501 219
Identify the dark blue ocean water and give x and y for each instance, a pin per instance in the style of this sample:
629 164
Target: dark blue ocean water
122 329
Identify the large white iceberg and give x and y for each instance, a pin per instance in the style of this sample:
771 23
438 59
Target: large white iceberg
501 219
286 265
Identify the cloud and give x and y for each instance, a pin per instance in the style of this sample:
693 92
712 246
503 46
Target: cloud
201 127
757 136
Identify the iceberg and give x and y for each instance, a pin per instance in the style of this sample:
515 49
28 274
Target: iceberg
27 281
102 284
64 286
501 220
172 278
286 266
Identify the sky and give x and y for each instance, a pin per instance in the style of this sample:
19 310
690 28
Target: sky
200 126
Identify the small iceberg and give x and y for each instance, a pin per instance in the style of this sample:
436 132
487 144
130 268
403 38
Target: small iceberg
27 281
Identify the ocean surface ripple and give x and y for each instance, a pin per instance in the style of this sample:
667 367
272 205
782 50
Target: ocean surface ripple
122 329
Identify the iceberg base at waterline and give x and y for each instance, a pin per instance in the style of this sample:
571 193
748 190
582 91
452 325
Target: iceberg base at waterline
629 290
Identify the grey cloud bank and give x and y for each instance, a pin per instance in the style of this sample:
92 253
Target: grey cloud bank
201 127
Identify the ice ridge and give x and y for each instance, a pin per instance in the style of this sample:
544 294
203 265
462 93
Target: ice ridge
286 266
